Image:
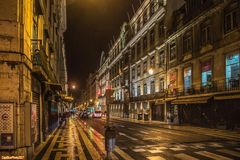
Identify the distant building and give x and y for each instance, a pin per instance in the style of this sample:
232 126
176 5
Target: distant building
178 62
102 82
33 73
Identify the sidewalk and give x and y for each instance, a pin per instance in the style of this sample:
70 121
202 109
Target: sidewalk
69 143
231 135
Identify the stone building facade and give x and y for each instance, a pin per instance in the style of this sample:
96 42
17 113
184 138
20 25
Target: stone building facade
179 63
32 72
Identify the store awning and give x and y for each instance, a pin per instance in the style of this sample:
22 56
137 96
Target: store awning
193 100
54 86
225 97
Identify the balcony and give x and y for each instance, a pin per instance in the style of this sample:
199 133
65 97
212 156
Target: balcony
41 65
224 85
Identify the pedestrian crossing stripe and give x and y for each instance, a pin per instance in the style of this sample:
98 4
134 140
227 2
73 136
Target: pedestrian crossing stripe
117 149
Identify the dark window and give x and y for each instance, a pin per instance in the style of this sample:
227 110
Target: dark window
138 70
145 67
138 24
187 42
145 89
145 17
152 8
138 90
161 85
161 29
133 91
161 58
152 62
152 36
152 87
205 32
173 51
138 50
145 43
133 73
231 17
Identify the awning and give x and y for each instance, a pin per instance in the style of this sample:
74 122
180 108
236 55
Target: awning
227 97
54 86
66 98
159 101
193 100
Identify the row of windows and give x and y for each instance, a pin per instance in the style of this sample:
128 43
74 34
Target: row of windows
232 77
148 88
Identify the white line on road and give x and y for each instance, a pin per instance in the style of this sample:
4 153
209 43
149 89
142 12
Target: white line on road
155 158
144 132
132 138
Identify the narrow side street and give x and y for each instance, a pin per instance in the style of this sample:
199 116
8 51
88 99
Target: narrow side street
83 139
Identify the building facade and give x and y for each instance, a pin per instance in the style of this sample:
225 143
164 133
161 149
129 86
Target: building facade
179 63
32 73
102 82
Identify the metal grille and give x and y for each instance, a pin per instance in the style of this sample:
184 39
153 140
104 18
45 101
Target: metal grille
6 117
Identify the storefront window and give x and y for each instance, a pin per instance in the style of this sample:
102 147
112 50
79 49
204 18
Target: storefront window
206 73
187 78
232 70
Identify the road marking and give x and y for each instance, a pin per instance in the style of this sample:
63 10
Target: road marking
93 152
139 150
113 156
123 154
123 134
230 152
155 158
117 149
217 145
155 151
144 132
212 155
161 148
184 156
177 149
48 152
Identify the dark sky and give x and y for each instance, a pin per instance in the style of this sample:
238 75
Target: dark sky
91 25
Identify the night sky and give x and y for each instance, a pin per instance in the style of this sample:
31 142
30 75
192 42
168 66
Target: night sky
91 25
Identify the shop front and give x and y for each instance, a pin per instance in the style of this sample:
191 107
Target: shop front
158 110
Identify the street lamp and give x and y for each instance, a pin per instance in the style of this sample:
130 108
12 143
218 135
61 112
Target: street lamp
73 86
150 71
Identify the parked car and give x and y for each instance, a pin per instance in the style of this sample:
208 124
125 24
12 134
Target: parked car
83 114
97 114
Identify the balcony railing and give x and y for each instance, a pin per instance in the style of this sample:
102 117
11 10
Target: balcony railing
40 60
225 85
209 87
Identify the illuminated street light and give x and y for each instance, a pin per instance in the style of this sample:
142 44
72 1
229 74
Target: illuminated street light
150 71
73 86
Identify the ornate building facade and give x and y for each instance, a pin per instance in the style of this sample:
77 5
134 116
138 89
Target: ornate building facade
179 63
32 72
